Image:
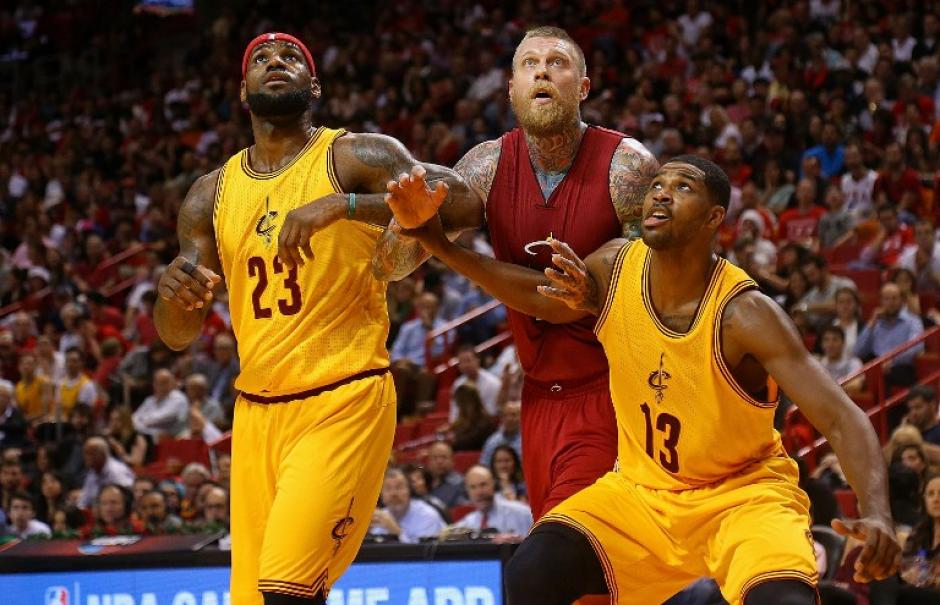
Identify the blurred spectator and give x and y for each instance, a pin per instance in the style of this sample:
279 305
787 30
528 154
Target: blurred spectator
835 362
922 412
487 385
138 368
508 433
891 238
67 522
446 483
215 509
920 567
413 383
12 423
11 481
112 513
858 185
473 425
223 470
75 387
34 391
197 392
198 427
907 284
141 486
493 511
220 370
154 515
22 518
829 152
165 412
103 469
419 479
837 226
913 457
407 519
193 477
891 326
801 224
50 362
847 318
129 446
923 258
173 493
506 468
820 301
897 184
53 488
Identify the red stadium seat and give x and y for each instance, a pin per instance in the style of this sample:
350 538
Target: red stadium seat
847 502
867 280
182 452
405 431
464 460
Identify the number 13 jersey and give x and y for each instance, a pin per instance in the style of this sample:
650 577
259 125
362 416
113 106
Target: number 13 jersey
683 421
310 326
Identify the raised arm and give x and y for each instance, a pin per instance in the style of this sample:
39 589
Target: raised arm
631 171
364 164
397 254
756 327
186 287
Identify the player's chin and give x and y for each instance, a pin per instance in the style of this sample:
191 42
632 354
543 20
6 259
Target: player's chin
657 238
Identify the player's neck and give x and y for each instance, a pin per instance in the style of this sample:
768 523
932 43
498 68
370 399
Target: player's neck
676 276
278 141
555 152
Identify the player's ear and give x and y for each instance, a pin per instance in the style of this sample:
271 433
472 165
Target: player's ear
243 92
585 87
716 216
315 87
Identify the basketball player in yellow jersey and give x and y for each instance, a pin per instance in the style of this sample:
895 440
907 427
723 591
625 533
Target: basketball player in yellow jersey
316 415
706 488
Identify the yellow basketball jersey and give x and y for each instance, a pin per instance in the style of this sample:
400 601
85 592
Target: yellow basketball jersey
310 326
683 421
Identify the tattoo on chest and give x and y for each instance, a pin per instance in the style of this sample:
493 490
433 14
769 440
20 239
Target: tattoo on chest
549 181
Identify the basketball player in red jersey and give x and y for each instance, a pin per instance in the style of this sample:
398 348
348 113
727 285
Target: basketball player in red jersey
555 176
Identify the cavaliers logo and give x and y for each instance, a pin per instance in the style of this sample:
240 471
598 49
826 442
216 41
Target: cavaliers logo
342 528
658 378
265 226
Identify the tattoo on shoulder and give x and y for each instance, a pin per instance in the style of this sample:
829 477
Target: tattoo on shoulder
478 166
631 170
378 151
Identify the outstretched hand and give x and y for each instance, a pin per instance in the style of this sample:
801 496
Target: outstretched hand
573 284
412 200
881 553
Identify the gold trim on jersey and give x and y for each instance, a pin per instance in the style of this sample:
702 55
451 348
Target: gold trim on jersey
331 166
263 176
612 287
699 311
216 204
720 356
812 580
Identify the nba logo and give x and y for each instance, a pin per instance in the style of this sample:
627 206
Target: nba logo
57 595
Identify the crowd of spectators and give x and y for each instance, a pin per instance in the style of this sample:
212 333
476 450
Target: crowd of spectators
824 113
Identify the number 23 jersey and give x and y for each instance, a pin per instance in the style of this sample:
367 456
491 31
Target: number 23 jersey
683 420
310 326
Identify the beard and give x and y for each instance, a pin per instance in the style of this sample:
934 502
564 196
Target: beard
545 120
280 105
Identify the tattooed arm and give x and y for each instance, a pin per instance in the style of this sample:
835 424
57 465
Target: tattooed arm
397 254
186 287
364 164
631 170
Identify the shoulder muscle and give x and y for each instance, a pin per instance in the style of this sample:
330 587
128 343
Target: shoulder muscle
631 170
366 161
755 325
478 166
194 227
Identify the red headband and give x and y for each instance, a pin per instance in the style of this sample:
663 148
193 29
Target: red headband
271 37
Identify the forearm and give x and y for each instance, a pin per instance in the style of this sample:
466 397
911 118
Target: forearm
177 327
512 284
855 444
397 255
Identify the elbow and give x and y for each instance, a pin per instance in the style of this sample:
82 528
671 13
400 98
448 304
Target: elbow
382 272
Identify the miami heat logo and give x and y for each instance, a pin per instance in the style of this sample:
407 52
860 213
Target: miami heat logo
342 528
658 378
265 226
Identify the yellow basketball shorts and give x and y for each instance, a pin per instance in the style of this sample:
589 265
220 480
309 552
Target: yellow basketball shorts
752 527
306 477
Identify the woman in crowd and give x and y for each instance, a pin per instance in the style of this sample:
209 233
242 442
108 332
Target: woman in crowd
507 470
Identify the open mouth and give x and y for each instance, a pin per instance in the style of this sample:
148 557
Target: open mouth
543 96
277 77
656 218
